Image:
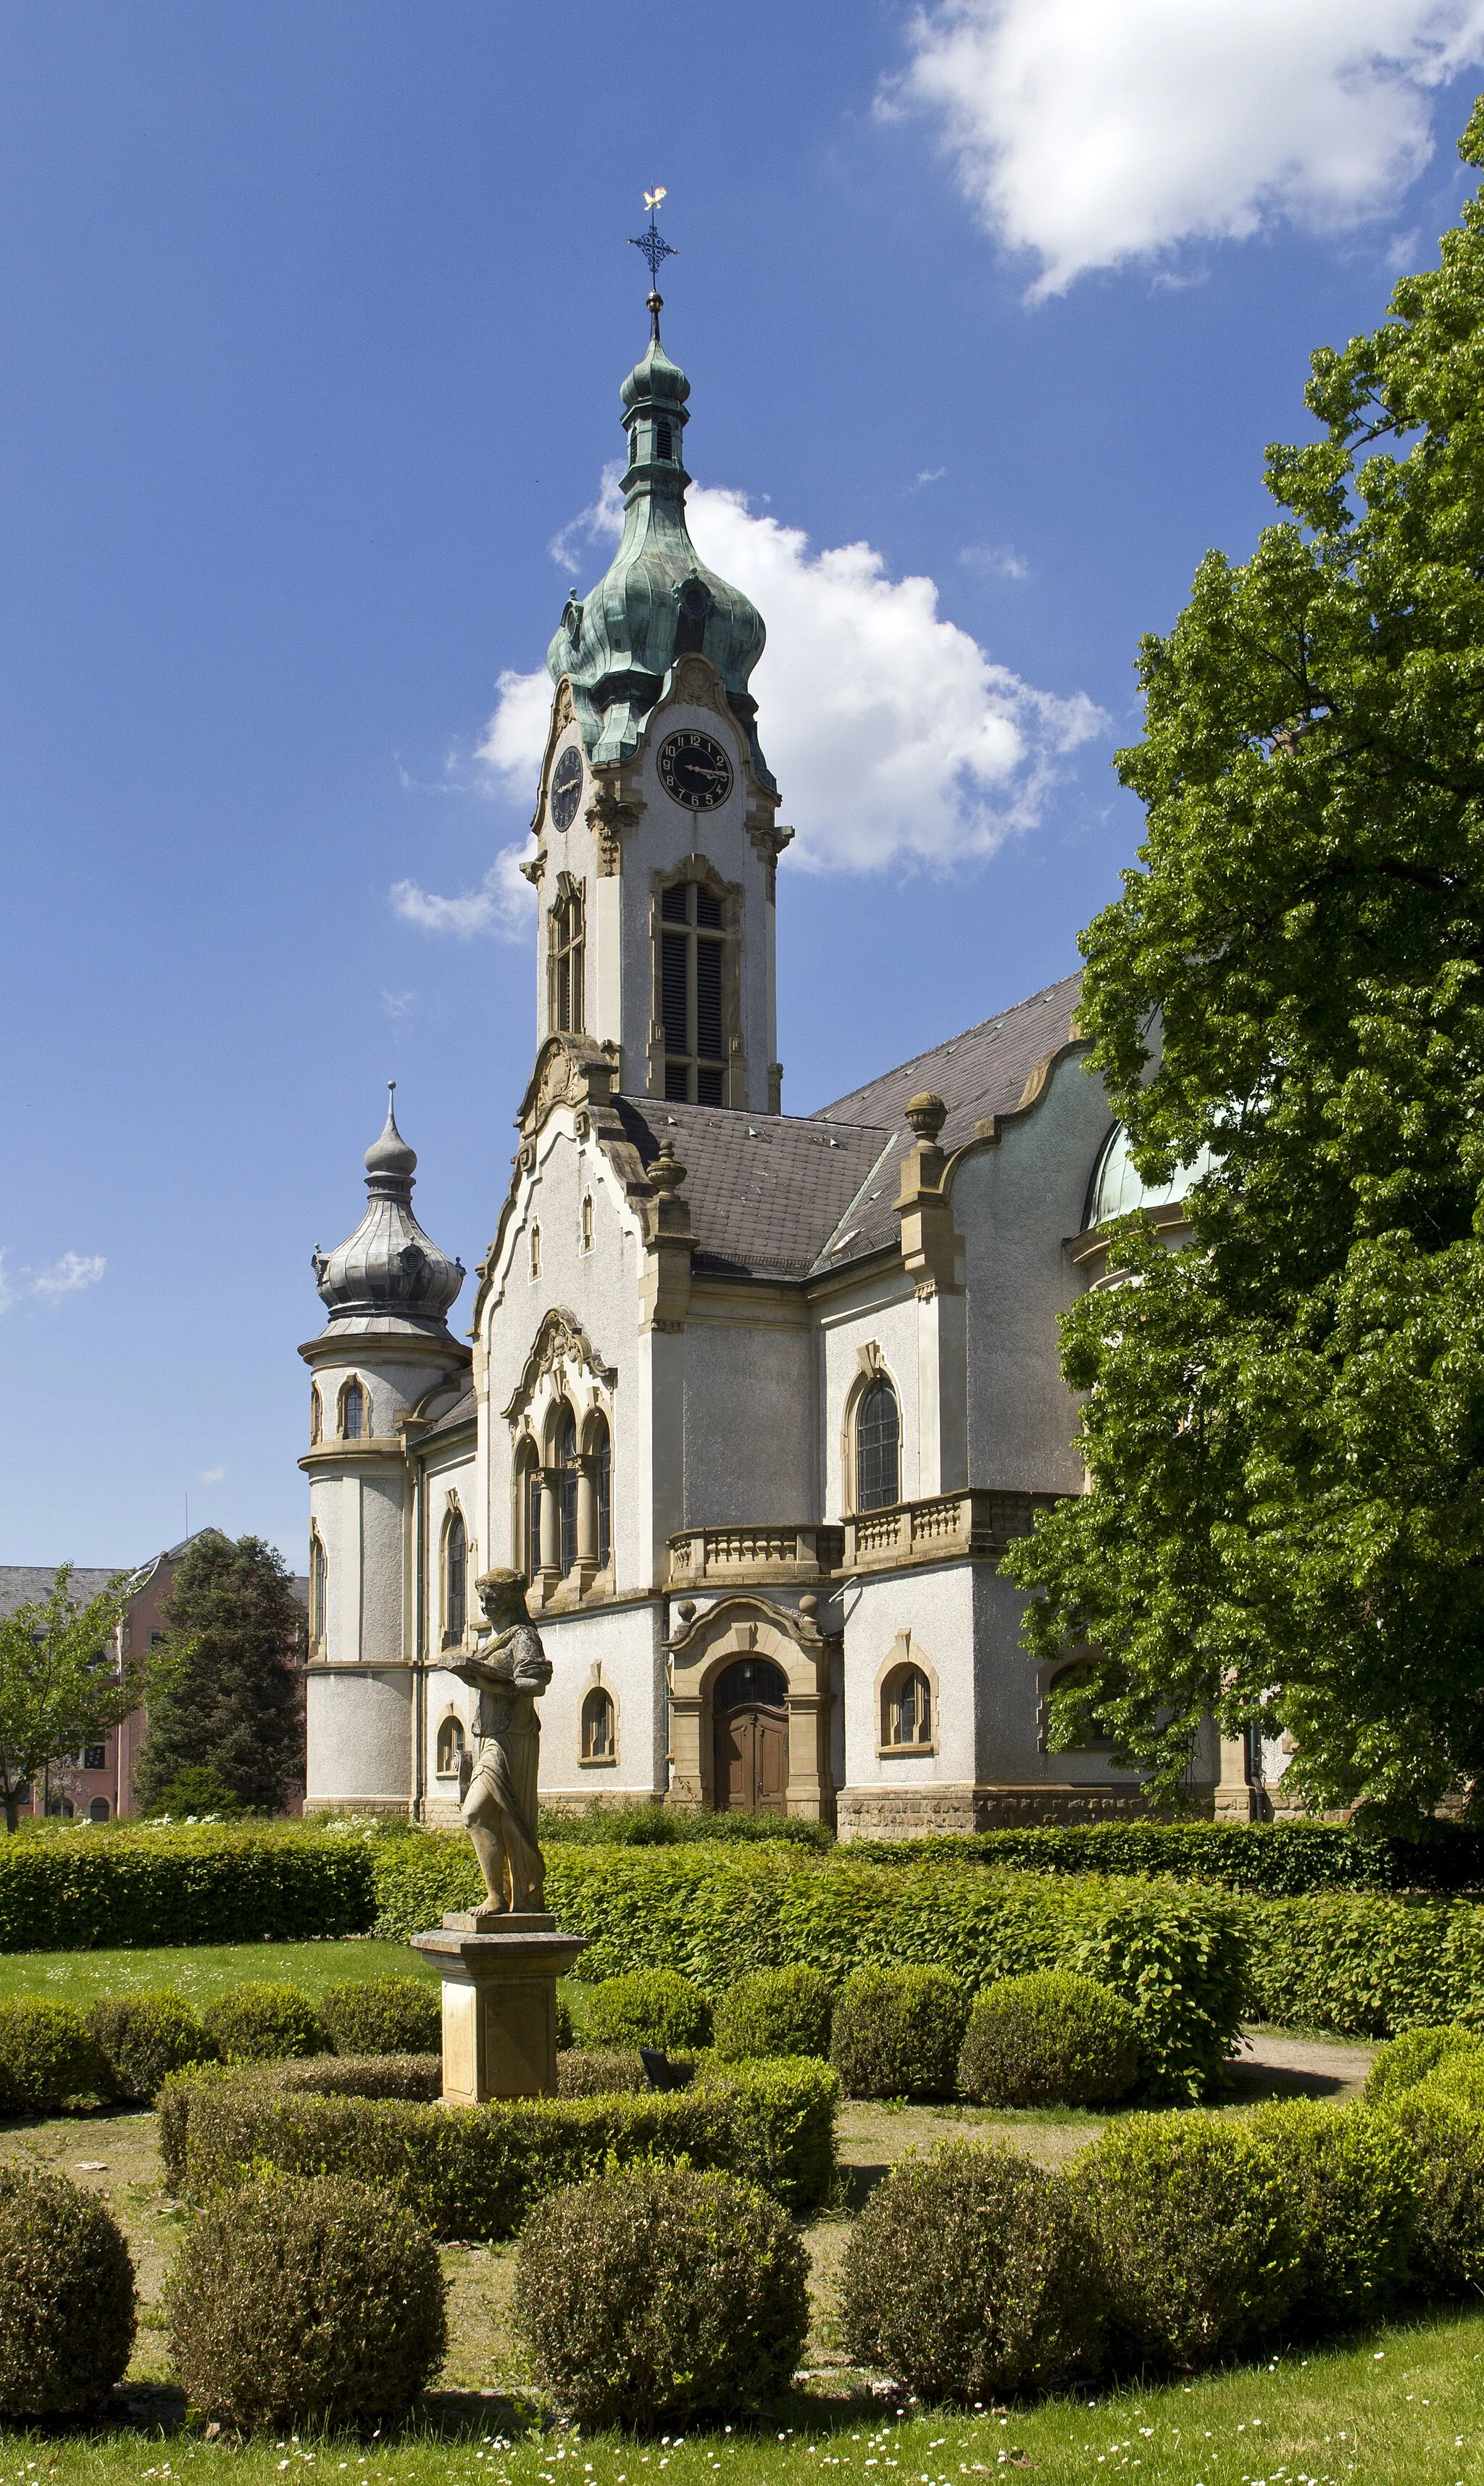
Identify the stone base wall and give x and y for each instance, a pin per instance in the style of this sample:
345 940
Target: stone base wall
397 1808
918 1812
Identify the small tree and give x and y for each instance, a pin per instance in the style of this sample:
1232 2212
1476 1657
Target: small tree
60 1687
224 1691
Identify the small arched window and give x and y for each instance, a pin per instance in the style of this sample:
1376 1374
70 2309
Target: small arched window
602 1477
97 1809
878 1439
352 1411
535 1251
587 1221
1098 1736
318 1584
599 1726
566 1487
451 1749
315 1413
906 1710
456 1572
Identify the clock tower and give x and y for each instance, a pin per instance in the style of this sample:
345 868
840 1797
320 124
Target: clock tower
656 828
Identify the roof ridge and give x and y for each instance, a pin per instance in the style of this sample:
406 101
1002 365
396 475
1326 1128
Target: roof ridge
895 1069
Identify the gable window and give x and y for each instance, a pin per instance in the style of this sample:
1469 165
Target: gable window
599 1737
455 1571
318 1582
692 993
352 1411
567 1462
568 947
878 1437
906 1710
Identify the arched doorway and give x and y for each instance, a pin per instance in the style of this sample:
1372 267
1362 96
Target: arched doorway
750 1713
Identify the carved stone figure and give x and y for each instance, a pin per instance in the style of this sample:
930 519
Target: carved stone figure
508 1672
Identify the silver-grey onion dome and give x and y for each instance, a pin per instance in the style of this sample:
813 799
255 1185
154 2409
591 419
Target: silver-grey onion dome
1117 1188
388 1274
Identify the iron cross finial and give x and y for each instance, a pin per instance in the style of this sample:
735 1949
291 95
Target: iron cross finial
657 249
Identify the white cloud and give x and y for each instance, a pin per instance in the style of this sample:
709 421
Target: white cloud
893 736
1092 134
210 1475
503 903
65 1277
994 561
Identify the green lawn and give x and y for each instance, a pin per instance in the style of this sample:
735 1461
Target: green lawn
1405 2407
200 1972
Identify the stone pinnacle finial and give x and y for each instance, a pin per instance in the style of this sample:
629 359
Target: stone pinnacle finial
927 1114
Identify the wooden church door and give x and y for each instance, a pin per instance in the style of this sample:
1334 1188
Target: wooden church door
750 1706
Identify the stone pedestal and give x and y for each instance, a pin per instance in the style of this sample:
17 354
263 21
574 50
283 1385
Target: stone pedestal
499 2004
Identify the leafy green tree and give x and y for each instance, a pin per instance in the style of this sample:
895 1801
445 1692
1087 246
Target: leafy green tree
1285 1431
226 1694
60 1687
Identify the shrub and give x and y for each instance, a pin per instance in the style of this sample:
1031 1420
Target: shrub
969 2274
564 2019
46 2057
172 2106
1198 2246
257 2022
607 2071
654 2006
653 2294
384 2015
1280 1859
473 2172
142 2037
157 1886
774 2011
195 1789
663 1825
1409 2057
1350 2180
897 2032
314 2302
67 2298
1365 1967
1051 2038
1448 2135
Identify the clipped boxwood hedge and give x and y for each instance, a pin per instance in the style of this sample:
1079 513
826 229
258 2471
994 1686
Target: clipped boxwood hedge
93 1889
1365 1967
472 2171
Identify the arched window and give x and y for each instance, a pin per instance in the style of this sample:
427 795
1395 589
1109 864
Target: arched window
878 1439
315 1413
906 1710
535 1251
456 1569
693 993
602 1484
318 1584
587 1221
599 1726
752 1682
527 1546
352 1411
567 958
97 1809
1098 1737
664 442
451 1749
566 1487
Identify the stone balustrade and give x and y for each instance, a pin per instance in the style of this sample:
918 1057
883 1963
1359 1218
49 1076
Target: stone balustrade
713 1557
978 1522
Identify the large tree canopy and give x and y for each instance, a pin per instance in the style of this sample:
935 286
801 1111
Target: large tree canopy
224 1693
1285 1431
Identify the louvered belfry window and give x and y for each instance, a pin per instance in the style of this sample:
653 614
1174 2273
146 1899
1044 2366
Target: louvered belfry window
567 948
692 988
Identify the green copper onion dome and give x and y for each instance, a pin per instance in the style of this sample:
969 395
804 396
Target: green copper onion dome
657 600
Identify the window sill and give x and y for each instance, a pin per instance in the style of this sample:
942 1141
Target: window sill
906 1751
599 1761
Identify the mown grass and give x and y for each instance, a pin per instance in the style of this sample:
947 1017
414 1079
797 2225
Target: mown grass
1403 2408
202 1972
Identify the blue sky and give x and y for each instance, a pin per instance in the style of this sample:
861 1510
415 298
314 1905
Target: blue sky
314 321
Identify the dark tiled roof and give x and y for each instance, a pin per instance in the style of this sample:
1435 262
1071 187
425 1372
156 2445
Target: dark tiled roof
29 1583
461 1413
766 1191
981 1072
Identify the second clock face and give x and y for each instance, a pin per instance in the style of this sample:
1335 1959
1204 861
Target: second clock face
695 771
565 787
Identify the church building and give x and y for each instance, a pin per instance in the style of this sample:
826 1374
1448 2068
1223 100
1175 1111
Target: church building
756 1402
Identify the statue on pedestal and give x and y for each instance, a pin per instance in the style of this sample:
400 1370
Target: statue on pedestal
508 1672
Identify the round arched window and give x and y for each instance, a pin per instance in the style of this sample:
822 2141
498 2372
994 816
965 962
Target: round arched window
878 1437
599 1740
906 1710
752 1683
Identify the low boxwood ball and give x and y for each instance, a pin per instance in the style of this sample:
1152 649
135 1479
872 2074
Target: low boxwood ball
67 2298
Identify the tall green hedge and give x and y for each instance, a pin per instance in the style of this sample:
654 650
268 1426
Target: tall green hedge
91 1890
1281 1859
1362 1965
1174 1952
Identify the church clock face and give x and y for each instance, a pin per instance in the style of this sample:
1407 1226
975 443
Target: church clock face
565 787
695 771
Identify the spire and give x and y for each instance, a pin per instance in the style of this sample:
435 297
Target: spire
389 1275
657 600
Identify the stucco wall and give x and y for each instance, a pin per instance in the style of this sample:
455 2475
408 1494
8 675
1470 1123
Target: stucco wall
622 1644
359 1740
749 1411
881 1310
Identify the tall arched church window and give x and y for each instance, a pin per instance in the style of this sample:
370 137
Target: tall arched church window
878 1442
566 1461
455 1576
319 1585
569 946
599 1737
315 1413
352 1411
526 1545
906 1710
693 993
602 1463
